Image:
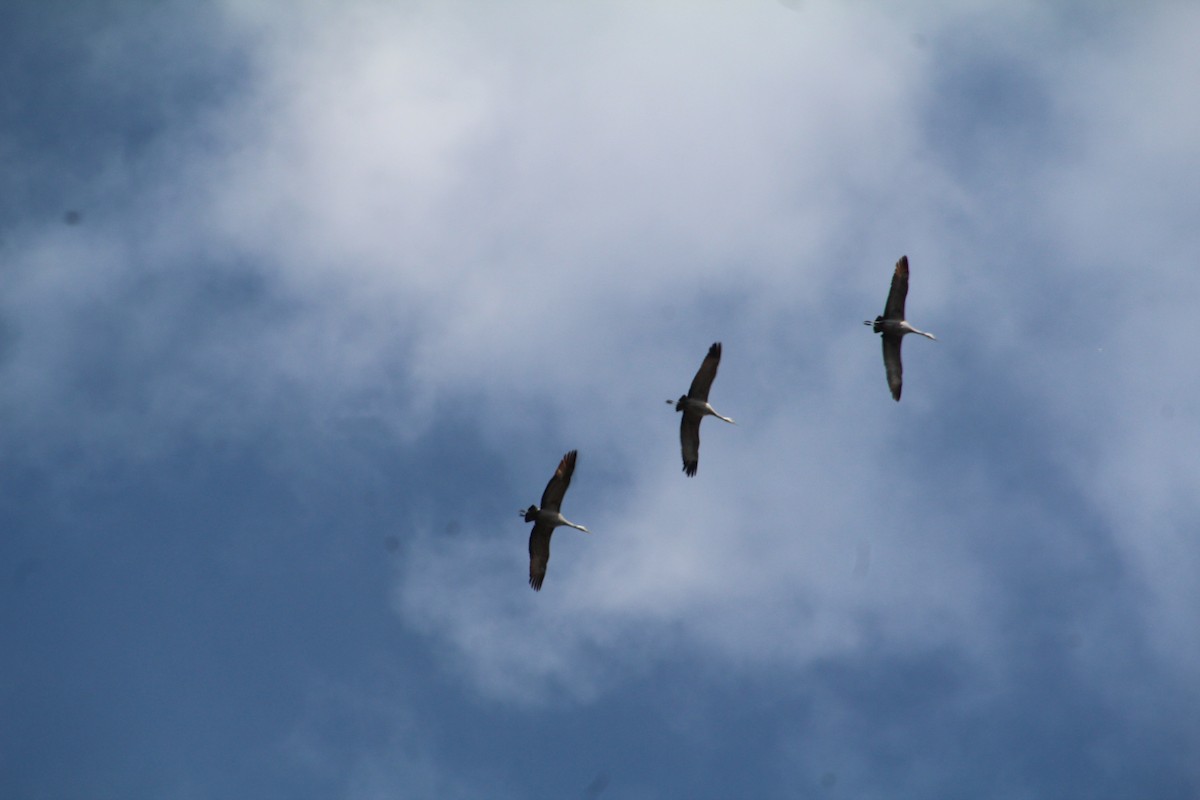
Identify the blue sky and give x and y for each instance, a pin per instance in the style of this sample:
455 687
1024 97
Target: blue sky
299 305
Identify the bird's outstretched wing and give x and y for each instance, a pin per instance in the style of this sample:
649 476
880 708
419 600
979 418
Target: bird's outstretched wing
899 291
557 487
891 362
689 442
539 554
706 373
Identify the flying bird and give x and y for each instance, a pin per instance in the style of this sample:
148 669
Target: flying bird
695 407
547 518
893 326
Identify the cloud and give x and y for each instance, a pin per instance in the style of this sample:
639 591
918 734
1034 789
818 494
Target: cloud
731 568
485 236
1117 206
553 215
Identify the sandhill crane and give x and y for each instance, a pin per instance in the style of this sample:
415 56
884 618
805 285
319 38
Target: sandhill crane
547 518
893 326
695 407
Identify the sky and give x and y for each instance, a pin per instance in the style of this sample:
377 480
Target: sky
299 303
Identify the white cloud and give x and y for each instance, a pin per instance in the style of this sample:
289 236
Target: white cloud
554 213
1121 209
733 565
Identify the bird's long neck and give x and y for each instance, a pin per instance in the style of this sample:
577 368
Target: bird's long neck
708 409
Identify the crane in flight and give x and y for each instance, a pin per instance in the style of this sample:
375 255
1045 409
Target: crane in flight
695 407
547 518
894 326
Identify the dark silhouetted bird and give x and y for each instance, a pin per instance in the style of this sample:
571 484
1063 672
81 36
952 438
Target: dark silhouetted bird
894 326
547 518
695 407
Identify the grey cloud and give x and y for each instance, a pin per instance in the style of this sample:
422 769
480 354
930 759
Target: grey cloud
423 248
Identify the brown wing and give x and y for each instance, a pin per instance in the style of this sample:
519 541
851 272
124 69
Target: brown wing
557 487
689 442
891 362
706 373
539 554
895 302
